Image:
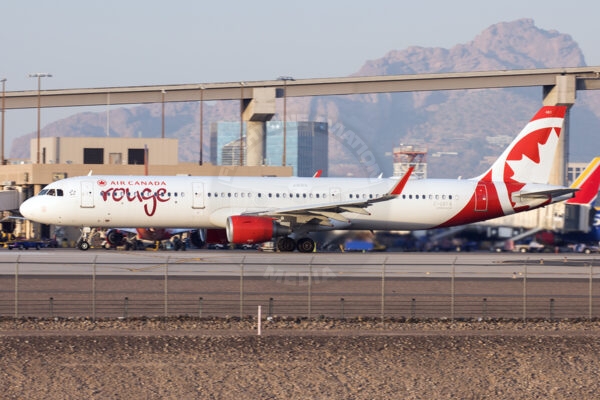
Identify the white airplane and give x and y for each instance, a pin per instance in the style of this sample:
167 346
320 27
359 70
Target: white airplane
260 209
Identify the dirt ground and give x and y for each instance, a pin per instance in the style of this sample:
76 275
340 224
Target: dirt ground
298 359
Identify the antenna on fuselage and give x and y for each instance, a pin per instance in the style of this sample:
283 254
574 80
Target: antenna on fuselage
89 173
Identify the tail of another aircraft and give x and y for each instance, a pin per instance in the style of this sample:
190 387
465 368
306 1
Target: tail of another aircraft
530 157
588 184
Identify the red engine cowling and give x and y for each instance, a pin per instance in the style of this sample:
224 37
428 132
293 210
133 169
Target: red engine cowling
243 229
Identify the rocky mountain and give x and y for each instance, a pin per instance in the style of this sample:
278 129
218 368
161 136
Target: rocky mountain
463 130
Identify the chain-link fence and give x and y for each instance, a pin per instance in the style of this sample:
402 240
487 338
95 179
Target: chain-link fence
311 288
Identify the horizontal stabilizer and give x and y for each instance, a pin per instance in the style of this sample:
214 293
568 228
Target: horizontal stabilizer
551 193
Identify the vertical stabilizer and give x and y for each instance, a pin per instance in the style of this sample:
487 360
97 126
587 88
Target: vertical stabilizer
530 157
588 184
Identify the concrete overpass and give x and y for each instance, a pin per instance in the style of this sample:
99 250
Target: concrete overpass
258 97
569 80
559 86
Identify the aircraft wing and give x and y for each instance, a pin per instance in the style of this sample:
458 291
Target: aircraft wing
322 214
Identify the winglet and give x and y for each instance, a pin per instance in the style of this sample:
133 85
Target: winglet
318 173
402 182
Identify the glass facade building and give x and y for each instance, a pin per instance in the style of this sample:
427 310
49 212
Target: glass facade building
307 149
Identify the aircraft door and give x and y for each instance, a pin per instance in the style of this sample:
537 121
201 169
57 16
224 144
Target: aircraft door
481 197
198 194
87 194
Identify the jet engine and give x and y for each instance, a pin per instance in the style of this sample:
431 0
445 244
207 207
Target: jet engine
115 237
246 229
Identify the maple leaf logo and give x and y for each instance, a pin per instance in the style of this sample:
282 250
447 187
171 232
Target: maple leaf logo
530 161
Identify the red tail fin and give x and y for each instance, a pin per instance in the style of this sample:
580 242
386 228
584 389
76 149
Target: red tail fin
587 183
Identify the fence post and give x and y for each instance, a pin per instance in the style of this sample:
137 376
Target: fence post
452 289
51 307
94 289
591 291
484 308
342 306
383 289
242 288
310 287
17 287
551 309
167 287
200 307
270 307
125 307
525 291
259 320
413 307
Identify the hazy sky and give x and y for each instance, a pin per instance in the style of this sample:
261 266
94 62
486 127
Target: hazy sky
130 42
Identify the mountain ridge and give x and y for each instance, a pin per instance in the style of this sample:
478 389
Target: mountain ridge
365 128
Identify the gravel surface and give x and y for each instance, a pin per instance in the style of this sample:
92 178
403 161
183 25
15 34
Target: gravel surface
298 359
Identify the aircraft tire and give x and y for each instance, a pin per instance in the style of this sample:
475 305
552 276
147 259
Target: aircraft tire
83 245
286 244
306 245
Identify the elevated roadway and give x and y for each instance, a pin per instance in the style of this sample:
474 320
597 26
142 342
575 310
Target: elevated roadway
579 78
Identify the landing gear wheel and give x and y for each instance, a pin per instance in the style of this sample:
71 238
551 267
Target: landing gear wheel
306 245
286 244
83 245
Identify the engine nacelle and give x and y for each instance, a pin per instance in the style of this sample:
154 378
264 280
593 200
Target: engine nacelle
115 237
245 229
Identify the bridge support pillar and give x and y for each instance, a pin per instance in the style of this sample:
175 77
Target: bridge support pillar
562 93
257 112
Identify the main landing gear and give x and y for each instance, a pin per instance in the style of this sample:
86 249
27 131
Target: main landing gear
304 245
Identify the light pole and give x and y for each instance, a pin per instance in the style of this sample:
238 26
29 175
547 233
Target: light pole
242 84
284 79
162 132
39 76
201 121
3 80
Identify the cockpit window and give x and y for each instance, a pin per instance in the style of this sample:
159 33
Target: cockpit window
51 192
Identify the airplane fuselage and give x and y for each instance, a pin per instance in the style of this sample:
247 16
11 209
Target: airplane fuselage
207 202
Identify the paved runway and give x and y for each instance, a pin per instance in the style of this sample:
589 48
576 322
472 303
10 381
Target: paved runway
230 263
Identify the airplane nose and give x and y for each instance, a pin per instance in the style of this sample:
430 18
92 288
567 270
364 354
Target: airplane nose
27 209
